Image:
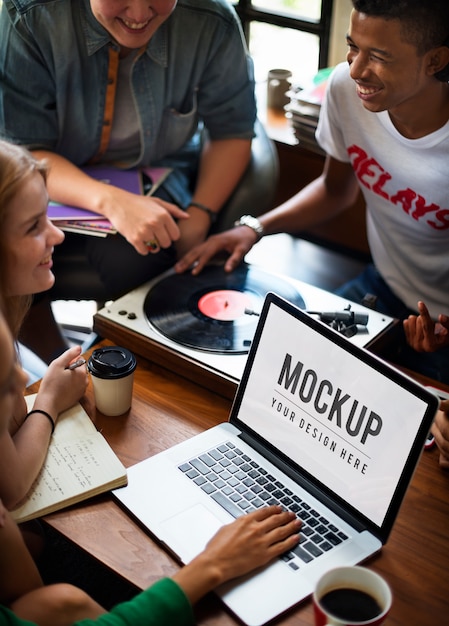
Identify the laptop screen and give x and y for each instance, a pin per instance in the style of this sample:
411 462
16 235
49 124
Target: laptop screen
347 419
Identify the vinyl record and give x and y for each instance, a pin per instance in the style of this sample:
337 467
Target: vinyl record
214 311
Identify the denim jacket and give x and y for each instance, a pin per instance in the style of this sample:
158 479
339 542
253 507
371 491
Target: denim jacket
57 80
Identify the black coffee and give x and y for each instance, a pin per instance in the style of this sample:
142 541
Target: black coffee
351 605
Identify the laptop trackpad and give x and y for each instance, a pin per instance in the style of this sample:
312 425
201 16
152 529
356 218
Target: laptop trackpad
188 532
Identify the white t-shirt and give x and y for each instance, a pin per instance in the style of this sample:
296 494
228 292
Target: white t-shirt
405 183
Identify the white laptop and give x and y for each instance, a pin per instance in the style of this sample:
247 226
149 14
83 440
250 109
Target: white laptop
317 423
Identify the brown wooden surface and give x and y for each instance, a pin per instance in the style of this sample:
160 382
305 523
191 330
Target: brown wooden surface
167 409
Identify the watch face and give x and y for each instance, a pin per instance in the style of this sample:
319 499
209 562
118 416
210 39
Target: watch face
251 222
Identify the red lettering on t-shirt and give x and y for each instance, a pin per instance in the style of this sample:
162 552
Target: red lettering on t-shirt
358 154
421 208
443 216
369 172
404 197
378 186
372 176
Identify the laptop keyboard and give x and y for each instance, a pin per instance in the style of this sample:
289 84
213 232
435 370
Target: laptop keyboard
240 485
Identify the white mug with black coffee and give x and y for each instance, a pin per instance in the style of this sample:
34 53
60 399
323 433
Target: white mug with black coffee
354 596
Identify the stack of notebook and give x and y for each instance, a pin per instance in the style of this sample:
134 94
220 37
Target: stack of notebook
304 109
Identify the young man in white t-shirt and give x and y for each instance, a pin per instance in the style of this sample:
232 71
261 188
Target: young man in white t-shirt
385 128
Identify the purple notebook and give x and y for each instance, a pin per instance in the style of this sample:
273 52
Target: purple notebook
73 219
125 179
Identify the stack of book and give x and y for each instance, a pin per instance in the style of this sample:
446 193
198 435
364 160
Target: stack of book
139 181
304 109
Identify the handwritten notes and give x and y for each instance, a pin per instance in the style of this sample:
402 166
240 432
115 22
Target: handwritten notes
79 464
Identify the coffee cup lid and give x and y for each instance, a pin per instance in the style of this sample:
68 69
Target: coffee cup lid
111 362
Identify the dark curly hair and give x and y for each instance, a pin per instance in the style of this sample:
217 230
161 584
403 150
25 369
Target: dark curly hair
424 23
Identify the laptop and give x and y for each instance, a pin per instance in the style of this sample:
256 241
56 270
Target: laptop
318 424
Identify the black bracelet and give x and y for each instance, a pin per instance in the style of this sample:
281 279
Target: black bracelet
47 415
213 216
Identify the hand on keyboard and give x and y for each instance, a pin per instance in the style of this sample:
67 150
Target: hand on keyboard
252 541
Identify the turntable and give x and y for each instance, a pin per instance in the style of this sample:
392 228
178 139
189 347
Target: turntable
202 326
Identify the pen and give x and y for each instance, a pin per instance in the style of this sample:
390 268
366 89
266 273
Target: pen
76 364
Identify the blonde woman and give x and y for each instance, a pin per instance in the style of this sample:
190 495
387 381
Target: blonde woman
27 239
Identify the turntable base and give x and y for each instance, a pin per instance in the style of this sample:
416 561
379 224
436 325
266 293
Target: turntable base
134 321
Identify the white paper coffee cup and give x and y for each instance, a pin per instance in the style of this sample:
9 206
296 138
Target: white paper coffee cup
112 374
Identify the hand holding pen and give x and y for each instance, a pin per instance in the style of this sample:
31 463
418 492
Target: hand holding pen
65 381
76 364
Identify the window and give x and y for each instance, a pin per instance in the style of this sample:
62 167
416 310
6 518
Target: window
287 34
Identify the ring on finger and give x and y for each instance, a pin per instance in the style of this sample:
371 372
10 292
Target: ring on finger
152 245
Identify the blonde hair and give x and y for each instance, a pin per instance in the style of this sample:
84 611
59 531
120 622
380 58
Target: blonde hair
16 163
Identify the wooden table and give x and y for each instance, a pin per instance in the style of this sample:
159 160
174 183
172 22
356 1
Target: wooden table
167 409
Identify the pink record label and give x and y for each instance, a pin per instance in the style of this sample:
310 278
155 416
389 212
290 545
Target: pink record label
224 304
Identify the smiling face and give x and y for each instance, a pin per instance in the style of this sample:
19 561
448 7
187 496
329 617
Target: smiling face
29 238
388 72
132 23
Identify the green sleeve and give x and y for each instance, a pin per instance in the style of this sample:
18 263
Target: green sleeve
8 618
163 604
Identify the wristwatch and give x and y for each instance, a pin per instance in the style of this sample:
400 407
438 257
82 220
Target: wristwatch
253 223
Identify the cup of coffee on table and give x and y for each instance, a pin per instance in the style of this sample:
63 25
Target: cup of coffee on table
351 596
112 374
